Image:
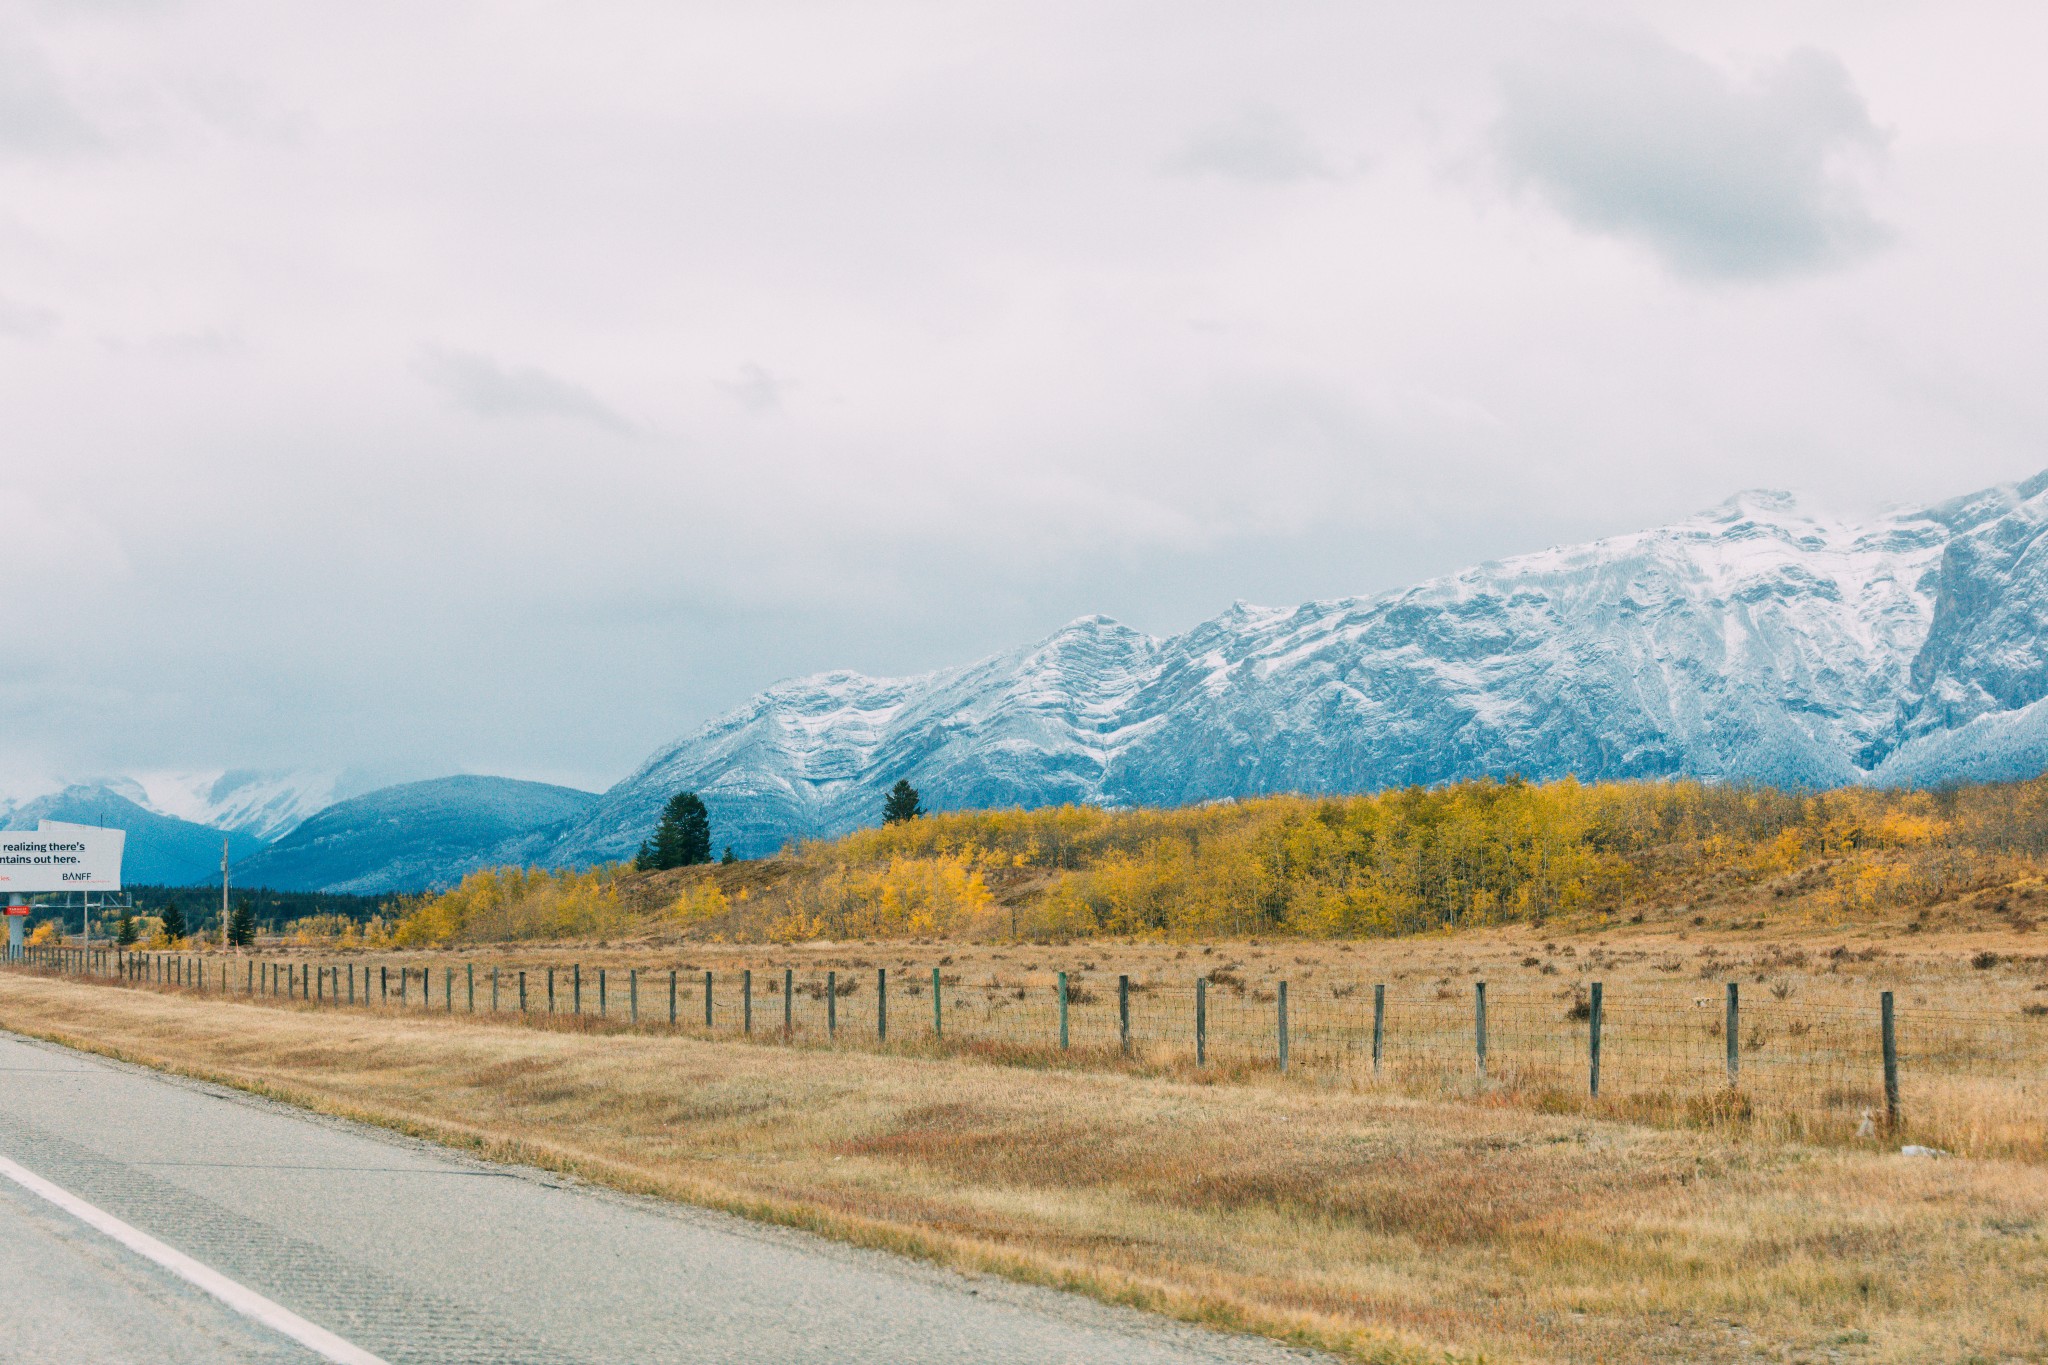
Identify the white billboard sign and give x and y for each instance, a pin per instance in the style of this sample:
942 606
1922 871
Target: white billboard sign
61 857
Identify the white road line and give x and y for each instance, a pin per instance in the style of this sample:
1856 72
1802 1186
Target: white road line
242 1299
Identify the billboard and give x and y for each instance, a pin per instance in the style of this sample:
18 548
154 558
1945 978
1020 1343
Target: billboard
61 857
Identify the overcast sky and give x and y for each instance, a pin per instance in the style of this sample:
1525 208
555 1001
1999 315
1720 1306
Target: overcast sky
509 387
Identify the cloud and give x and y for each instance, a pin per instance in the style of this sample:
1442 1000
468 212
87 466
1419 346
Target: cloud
485 387
756 389
25 321
36 119
1724 178
1260 145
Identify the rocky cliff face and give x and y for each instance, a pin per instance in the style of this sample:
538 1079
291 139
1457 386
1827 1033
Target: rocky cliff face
1757 641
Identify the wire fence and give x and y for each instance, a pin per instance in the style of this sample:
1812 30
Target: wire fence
1967 1080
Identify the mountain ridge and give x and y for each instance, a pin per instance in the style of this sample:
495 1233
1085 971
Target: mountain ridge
1756 640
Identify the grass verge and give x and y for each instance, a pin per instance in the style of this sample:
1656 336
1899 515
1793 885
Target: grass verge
1379 1227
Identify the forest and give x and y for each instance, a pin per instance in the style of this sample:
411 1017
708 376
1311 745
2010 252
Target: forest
1397 862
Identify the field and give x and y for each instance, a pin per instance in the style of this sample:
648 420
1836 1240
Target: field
1401 1216
1316 1068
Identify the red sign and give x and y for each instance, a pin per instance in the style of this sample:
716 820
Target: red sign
17 909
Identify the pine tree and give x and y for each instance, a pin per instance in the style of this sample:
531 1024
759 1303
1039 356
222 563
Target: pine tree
729 856
902 804
124 930
683 839
173 921
242 926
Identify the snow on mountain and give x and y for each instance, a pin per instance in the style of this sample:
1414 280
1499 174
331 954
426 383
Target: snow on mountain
265 805
413 836
1758 640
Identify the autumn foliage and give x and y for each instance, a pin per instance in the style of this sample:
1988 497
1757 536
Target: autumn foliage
1399 862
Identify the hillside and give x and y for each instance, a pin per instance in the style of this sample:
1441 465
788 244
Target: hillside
1759 641
412 836
1414 861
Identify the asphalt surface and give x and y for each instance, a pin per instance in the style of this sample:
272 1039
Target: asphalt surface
417 1254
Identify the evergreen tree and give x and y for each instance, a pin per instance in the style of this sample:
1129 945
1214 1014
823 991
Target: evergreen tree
683 839
728 858
173 921
643 861
124 930
902 804
242 926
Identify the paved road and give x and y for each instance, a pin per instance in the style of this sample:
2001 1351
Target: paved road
417 1254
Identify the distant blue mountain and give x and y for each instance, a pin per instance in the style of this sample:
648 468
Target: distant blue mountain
160 850
415 836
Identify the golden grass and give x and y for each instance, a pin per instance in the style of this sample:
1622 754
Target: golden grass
1972 1008
1382 1226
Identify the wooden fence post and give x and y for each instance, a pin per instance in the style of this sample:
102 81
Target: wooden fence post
469 973
1593 1040
938 1013
831 1004
1123 1014
447 990
633 996
1734 1026
1379 1025
603 1000
1201 1021
747 1001
522 992
671 997
1891 1064
788 1003
1063 1011
551 990
494 990
1283 1026
576 988
881 1004
707 1001
1479 1023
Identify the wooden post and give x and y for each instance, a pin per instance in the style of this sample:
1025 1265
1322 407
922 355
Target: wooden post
788 1003
1379 1025
494 990
1283 1026
671 997
1479 1023
383 984
831 1004
633 996
1201 1020
1063 1011
707 1001
351 983
522 992
1734 1033
1891 1064
938 1014
1593 1040
576 988
469 972
551 990
747 1001
881 1004
603 1002
447 990
1123 1014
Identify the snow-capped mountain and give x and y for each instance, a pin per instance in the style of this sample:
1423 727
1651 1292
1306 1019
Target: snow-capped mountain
265 805
1758 640
413 836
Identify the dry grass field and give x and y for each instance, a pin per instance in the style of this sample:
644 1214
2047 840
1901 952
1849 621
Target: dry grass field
1971 1006
1371 1221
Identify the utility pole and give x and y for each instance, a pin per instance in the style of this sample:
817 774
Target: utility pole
224 894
